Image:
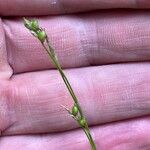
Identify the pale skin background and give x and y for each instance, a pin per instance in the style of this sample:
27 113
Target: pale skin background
105 54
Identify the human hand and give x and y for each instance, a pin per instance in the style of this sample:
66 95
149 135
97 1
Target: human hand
105 55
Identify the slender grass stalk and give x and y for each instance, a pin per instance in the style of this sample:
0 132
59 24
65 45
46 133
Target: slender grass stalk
76 112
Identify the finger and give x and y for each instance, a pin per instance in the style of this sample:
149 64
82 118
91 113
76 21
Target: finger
115 92
46 7
5 70
126 135
82 40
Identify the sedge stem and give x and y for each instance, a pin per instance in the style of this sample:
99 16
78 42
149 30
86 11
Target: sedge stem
77 113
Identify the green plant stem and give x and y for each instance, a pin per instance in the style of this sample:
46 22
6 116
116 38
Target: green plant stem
77 114
89 136
54 59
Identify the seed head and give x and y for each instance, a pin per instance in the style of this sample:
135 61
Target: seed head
75 110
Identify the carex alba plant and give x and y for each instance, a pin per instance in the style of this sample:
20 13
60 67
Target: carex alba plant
76 113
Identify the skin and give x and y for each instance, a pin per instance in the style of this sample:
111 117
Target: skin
105 55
